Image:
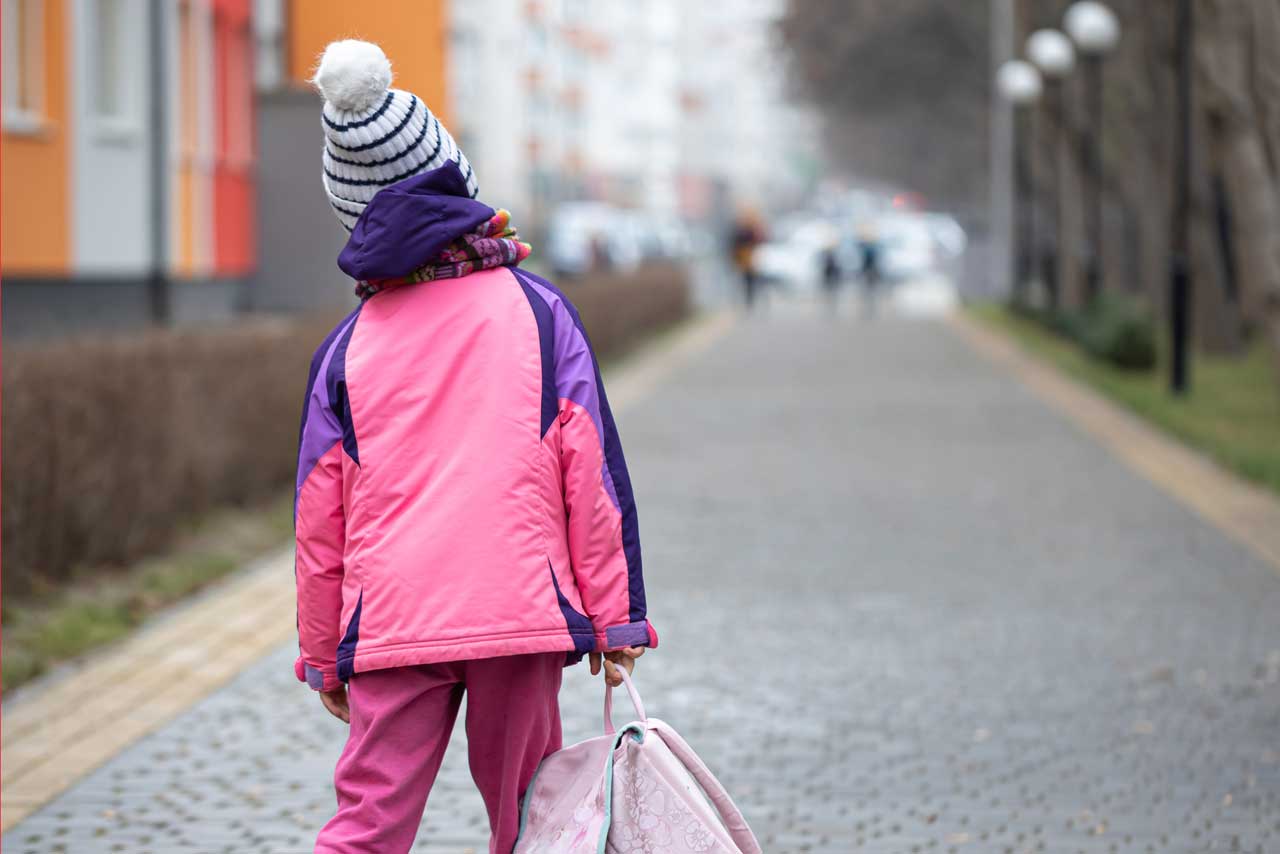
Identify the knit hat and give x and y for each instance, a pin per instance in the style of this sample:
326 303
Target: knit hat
375 136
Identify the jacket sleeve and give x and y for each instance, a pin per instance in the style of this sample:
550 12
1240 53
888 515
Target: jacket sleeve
320 534
604 537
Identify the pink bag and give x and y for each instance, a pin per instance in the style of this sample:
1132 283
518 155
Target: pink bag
633 790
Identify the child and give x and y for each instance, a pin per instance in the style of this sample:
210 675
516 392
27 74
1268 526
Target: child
464 516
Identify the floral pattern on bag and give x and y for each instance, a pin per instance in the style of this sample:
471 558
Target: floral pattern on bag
658 822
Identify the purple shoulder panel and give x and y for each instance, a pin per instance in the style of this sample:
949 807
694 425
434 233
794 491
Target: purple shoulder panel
321 428
316 359
575 366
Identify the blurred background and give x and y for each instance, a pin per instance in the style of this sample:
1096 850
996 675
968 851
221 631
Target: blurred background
156 167
159 156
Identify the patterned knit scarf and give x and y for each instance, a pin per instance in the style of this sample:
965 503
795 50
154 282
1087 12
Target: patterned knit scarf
494 244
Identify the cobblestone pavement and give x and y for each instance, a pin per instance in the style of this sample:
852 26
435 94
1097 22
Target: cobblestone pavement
903 608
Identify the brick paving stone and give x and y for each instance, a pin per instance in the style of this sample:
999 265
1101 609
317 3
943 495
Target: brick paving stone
903 607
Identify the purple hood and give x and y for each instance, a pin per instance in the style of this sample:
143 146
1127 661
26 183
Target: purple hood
410 223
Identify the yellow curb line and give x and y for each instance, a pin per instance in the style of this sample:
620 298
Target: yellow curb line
55 734
639 374
1244 512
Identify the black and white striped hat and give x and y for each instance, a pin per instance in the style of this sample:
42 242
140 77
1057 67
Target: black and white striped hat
375 136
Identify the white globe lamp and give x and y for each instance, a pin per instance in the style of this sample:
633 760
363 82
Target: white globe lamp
1019 82
1092 26
1052 53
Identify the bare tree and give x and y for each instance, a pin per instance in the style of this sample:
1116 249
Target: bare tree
905 89
1238 70
904 86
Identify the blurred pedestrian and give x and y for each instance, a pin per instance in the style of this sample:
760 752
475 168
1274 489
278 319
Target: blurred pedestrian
832 275
870 272
748 234
601 258
464 517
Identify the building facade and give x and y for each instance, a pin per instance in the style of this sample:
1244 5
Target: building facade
671 108
128 163
161 158
299 235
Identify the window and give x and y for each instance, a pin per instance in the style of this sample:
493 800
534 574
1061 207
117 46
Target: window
110 64
23 72
269 38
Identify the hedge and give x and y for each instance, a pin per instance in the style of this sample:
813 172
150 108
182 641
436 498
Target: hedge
109 444
1114 328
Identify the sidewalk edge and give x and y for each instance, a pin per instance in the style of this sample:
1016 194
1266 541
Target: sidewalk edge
1245 513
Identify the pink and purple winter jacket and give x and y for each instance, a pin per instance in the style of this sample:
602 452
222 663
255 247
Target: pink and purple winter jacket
461 491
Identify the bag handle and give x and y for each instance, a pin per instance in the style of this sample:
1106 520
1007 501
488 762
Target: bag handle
729 813
608 701
715 791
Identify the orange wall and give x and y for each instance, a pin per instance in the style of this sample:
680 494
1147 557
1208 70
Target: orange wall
413 33
35 169
184 263
188 106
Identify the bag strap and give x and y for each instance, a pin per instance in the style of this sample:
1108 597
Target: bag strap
608 702
724 805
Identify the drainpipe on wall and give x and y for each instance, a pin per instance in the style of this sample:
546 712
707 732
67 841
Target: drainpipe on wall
158 280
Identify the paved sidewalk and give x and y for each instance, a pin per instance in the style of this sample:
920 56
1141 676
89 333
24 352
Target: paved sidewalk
904 606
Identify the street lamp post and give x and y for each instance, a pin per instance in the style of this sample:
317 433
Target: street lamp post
1179 262
1095 30
1052 53
1019 83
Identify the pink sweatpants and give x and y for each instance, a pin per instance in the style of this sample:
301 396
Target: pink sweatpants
401 719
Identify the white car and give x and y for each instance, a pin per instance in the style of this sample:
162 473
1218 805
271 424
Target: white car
908 247
794 254
577 236
947 234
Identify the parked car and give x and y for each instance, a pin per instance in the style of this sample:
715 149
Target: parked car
947 234
578 237
582 236
908 247
794 254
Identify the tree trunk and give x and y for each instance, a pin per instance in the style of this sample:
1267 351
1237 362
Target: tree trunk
1236 65
1070 220
1216 324
1266 78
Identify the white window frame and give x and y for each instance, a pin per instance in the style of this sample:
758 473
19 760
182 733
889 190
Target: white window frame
123 126
17 119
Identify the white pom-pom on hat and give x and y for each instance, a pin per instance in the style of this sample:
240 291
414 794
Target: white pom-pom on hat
375 136
353 75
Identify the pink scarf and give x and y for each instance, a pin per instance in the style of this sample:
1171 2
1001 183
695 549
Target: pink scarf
494 244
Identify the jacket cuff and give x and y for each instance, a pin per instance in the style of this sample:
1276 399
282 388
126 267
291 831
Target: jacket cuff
627 634
316 678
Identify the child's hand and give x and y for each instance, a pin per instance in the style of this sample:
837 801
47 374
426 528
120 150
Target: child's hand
336 702
624 657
